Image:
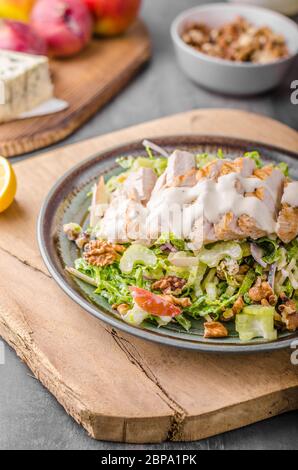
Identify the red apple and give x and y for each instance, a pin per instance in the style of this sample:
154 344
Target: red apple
17 36
66 25
113 17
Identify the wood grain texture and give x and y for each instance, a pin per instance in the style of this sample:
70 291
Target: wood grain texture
86 82
118 387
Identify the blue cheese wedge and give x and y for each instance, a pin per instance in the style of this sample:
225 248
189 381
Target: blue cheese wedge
25 83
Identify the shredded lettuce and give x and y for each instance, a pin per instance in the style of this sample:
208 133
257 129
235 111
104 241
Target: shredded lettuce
199 275
115 181
292 250
158 164
256 157
183 321
125 162
271 249
135 316
284 167
247 282
170 238
202 159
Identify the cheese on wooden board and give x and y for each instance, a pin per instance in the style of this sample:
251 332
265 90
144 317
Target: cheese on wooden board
24 83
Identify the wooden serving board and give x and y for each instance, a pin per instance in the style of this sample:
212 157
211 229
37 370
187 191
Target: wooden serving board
118 387
86 82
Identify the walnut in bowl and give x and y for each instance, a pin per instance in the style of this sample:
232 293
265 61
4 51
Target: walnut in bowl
244 56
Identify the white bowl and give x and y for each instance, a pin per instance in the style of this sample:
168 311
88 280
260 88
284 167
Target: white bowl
225 76
287 7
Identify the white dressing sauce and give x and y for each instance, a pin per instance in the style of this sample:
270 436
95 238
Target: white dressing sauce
212 200
177 209
290 195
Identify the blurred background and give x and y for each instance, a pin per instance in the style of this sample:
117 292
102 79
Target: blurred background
163 89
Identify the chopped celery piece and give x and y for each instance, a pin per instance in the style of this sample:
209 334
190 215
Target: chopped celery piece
247 282
201 270
135 316
209 278
136 254
211 290
163 320
183 321
212 256
178 271
245 247
182 259
256 321
258 310
158 164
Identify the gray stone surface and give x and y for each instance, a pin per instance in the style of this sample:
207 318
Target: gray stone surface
30 418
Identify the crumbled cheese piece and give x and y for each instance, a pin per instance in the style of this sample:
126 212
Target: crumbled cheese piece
24 83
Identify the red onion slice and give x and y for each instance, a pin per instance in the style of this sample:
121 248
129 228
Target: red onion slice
156 148
168 247
271 275
257 254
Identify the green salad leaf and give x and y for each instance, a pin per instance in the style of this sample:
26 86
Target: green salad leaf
256 157
170 238
158 164
271 249
284 167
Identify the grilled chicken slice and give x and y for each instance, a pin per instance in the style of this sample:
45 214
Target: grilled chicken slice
287 222
231 228
249 227
271 192
227 228
123 221
181 170
139 184
245 166
217 168
210 171
264 195
100 200
202 233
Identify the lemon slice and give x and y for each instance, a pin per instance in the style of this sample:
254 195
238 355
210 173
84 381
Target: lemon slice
8 184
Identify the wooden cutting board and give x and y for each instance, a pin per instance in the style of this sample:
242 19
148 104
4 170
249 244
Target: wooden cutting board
118 387
86 82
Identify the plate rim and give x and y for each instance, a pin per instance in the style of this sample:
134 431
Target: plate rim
97 312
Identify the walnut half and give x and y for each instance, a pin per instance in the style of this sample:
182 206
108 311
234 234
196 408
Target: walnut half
170 285
101 253
262 290
183 302
122 308
215 329
289 314
238 306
